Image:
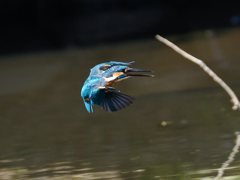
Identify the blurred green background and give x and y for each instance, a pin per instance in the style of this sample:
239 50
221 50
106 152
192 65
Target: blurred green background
181 125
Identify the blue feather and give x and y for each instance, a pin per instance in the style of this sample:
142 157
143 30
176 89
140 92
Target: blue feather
98 88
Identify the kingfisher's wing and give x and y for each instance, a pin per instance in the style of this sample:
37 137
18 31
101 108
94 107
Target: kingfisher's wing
114 101
113 63
108 98
100 68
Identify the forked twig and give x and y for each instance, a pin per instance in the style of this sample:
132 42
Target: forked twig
230 158
234 99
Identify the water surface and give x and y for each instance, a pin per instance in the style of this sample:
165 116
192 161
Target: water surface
181 125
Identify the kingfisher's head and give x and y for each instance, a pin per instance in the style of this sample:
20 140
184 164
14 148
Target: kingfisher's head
85 93
99 87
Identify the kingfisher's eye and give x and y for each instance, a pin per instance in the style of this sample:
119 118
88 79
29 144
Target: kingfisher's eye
104 68
87 98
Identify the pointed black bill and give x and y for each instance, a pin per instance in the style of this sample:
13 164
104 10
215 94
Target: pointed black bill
115 101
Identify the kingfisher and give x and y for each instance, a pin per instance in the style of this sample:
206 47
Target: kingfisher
99 88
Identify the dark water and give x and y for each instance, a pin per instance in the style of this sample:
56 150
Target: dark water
181 125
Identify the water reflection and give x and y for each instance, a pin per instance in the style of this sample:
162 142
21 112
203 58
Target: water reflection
180 126
230 158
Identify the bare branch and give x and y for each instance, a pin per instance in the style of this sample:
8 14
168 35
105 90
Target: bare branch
234 99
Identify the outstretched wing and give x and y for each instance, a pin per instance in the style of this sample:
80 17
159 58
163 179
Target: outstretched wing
115 101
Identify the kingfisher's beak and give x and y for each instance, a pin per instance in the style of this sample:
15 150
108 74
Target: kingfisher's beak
137 70
88 106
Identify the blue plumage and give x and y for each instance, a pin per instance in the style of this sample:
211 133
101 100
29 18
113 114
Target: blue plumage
99 87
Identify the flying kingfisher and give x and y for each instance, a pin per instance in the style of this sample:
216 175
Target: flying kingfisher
99 87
